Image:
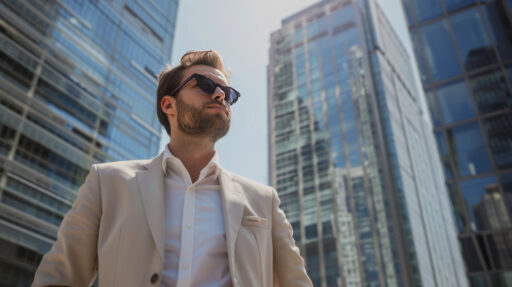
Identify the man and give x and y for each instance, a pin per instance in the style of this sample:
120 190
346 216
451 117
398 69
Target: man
178 219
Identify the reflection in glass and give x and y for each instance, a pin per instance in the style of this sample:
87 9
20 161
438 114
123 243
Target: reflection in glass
419 59
490 91
500 29
484 203
445 157
439 50
312 263
456 4
499 134
455 102
471 257
506 184
458 207
432 107
468 149
427 9
500 249
474 45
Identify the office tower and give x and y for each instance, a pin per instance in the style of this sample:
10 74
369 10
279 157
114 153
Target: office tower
351 155
464 52
77 86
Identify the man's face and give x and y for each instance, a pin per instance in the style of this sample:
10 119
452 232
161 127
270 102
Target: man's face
200 114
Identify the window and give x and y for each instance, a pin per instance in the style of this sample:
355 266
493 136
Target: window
452 5
311 231
455 102
440 53
469 152
484 203
500 29
443 150
426 9
499 136
472 40
490 91
432 107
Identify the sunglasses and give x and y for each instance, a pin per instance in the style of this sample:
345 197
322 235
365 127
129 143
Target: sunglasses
208 86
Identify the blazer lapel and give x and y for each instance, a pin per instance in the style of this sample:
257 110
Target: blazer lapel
233 205
151 188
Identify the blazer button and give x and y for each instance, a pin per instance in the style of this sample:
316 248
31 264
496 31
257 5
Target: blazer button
154 278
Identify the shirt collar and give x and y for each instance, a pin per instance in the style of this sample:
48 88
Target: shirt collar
171 163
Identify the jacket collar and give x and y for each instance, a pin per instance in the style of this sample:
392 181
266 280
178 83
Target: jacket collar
151 189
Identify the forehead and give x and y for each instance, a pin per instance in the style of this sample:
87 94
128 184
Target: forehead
207 71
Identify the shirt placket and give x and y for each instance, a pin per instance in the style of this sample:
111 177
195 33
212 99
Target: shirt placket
187 238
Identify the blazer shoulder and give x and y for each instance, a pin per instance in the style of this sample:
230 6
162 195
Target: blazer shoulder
121 166
250 184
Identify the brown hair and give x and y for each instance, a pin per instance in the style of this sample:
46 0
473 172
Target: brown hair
169 79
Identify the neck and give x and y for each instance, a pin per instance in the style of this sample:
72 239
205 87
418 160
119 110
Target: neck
194 153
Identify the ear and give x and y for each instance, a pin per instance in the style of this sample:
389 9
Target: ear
168 105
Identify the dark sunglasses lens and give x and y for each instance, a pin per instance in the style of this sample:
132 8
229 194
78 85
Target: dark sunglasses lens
205 84
231 95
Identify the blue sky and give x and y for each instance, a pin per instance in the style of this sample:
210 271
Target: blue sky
240 31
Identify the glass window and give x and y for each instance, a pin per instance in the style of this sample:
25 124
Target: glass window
419 59
297 36
441 143
468 148
474 45
490 91
432 107
469 250
458 207
455 102
500 29
456 4
342 16
500 251
427 9
439 50
499 136
483 202
312 263
506 183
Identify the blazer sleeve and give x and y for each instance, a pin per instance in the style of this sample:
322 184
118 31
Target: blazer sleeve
288 265
72 260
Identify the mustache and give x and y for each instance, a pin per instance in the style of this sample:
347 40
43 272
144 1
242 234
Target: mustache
214 102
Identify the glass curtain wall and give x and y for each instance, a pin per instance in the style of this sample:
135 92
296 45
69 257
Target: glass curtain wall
348 153
464 51
77 87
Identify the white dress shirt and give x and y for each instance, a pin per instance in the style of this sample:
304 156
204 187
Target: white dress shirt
195 252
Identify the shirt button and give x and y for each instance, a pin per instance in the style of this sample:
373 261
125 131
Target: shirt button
185 267
154 278
191 188
188 225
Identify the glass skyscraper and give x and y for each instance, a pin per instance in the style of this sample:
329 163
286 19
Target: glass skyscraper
464 51
351 155
77 86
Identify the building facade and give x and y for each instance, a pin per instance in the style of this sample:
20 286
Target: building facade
352 157
77 86
464 52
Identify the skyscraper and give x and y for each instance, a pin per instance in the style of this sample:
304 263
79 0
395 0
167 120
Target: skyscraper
77 86
351 155
464 52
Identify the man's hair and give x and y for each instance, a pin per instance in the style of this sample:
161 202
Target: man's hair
169 79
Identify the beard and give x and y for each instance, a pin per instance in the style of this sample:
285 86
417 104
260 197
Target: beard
196 122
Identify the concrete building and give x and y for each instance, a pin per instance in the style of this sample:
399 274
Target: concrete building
464 52
351 155
77 86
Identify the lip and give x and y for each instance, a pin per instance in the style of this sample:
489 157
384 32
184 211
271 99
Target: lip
217 107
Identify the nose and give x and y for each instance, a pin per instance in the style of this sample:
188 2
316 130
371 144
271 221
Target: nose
218 94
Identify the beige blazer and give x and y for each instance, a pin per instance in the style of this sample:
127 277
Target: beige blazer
115 230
